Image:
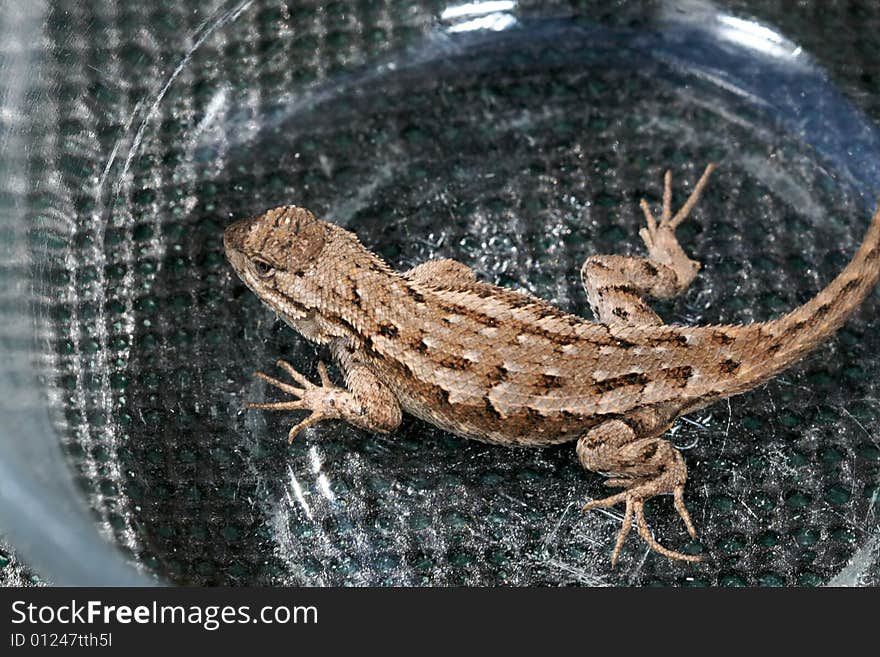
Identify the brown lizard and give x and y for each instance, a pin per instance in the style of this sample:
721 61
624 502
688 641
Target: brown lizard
505 367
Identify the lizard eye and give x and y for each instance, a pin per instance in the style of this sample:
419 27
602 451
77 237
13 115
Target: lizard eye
262 268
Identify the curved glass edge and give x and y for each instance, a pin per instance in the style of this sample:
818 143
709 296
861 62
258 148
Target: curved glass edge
41 512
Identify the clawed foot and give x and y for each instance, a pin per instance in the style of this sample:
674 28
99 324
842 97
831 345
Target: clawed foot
321 400
659 237
635 507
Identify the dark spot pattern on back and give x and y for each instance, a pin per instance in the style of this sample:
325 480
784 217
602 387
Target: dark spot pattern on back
415 295
550 382
388 330
721 338
491 410
613 383
729 366
453 362
679 375
497 375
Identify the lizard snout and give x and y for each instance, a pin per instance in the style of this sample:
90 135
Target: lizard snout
235 234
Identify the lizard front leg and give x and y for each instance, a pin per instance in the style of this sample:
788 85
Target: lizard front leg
365 401
644 467
615 284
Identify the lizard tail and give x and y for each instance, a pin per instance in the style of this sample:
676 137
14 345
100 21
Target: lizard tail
789 338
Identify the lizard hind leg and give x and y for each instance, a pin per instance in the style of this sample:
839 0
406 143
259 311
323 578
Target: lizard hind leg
644 467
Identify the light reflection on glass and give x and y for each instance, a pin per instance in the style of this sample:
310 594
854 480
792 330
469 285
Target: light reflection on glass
477 9
755 37
298 493
491 16
322 481
494 22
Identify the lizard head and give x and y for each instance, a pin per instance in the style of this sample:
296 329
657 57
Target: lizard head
273 252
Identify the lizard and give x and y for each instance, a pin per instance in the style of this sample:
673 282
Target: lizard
505 367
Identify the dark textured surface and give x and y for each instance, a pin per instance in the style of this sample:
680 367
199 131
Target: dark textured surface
518 159
12 571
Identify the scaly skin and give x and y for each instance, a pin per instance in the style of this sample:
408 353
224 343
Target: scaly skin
504 367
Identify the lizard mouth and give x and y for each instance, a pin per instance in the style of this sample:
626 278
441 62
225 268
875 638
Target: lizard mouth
233 244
